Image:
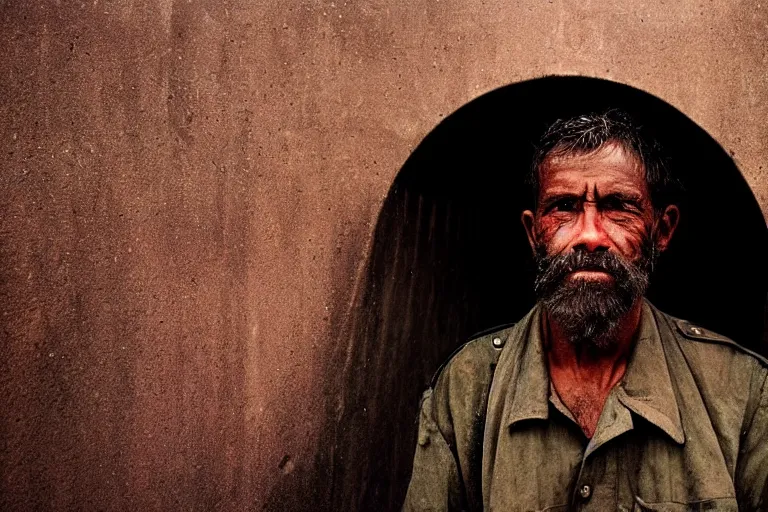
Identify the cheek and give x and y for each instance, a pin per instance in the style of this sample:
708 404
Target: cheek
628 237
554 232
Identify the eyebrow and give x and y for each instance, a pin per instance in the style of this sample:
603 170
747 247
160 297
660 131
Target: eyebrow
633 199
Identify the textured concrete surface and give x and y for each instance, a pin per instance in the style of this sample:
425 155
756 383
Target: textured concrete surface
189 193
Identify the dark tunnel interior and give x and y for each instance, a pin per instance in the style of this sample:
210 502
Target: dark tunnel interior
450 259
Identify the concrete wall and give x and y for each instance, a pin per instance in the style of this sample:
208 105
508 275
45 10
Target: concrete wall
189 189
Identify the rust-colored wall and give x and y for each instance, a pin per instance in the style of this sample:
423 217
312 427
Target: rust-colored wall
189 192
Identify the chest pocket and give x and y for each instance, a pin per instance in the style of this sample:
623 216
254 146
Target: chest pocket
713 505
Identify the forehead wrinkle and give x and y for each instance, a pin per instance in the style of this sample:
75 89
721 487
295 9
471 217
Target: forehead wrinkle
608 173
611 168
617 187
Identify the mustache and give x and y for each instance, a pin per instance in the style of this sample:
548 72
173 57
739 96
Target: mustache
552 270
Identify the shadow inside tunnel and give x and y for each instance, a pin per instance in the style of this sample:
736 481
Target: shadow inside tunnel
450 258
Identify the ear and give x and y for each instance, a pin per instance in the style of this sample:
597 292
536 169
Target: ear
528 220
665 226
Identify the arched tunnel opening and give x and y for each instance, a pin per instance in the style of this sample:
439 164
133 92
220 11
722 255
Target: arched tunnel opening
449 259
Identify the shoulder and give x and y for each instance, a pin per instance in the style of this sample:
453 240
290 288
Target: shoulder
480 352
697 339
723 370
467 374
459 389
458 394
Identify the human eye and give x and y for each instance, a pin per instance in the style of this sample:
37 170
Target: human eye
563 205
620 208
619 204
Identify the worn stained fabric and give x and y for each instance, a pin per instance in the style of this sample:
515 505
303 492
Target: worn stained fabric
686 428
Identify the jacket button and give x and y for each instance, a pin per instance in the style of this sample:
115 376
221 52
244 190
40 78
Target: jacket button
497 342
585 491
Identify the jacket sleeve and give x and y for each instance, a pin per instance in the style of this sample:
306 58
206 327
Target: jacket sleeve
752 468
435 482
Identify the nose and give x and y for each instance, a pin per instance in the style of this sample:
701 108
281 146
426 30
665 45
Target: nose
591 235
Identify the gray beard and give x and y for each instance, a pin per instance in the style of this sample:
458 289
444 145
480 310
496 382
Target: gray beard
589 312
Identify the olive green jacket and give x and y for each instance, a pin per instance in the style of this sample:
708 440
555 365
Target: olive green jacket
686 428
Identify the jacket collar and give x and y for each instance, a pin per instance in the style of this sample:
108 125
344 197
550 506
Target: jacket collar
526 373
646 388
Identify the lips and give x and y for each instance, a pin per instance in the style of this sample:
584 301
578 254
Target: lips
591 269
591 274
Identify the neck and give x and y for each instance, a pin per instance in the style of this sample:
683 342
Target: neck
596 368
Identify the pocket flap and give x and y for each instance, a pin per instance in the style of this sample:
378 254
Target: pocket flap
711 505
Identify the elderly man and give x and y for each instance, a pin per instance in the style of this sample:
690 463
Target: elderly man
596 400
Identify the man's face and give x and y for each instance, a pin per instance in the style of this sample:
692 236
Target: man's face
594 235
594 202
